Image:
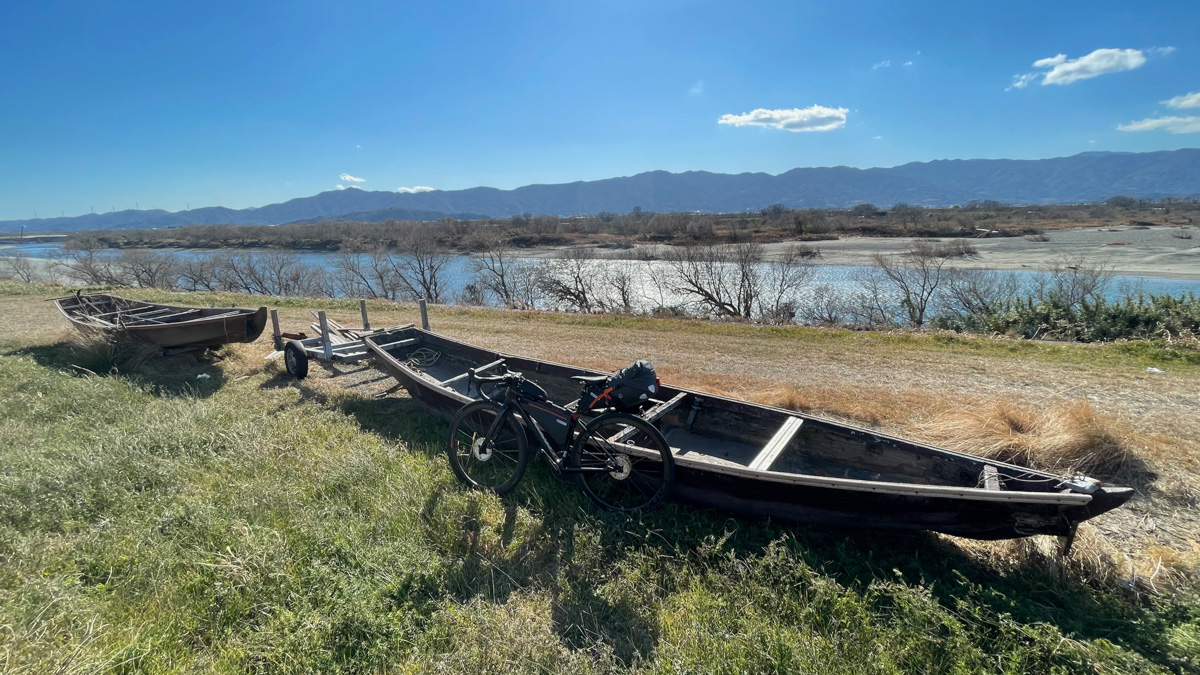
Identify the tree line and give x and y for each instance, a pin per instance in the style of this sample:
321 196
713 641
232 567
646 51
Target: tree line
772 224
916 288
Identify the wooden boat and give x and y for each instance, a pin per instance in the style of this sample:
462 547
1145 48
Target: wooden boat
167 326
763 461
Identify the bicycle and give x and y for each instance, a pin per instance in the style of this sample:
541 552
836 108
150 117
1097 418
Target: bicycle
620 461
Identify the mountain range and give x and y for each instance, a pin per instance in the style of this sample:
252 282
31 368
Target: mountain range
1086 177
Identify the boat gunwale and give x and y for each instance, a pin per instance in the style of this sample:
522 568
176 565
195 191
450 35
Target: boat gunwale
242 312
849 484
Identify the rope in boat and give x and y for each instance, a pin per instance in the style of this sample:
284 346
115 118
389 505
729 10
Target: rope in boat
422 358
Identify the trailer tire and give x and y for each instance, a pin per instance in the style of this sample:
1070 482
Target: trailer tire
295 359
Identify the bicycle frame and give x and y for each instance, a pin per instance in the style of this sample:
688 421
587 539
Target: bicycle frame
546 447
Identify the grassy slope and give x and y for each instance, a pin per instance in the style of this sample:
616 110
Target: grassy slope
169 524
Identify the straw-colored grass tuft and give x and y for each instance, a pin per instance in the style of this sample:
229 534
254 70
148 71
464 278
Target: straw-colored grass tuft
1064 437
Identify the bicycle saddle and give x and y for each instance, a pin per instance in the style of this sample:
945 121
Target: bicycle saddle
590 379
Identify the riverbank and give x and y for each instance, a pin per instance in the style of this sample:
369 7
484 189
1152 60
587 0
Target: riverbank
243 521
1165 252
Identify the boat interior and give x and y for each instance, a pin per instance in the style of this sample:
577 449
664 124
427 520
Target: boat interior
721 432
107 310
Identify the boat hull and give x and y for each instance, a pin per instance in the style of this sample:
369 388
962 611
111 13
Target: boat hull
771 495
202 327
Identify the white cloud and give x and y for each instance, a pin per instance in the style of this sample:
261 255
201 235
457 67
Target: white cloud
812 118
1099 62
1175 125
1050 62
351 179
908 63
341 187
1063 70
1021 81
348 187
697 88
878 138
1092 142
415 189
1191 100
882 64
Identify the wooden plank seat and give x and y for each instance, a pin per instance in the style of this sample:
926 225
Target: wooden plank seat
771 451
651 415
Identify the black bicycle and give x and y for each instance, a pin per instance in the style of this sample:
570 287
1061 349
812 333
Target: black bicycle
619 460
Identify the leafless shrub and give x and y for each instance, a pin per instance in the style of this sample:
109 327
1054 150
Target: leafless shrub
421 266
147 269
271 273
572 281
199 273
1037 237
825 307
19 268
1074 280
86 263
510 280
956 248
914 277
977 293
1181 234
370 274
733 281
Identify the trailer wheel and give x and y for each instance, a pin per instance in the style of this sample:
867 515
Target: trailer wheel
295 359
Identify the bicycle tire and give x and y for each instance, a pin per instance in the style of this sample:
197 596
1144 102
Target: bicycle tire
644 479
487 464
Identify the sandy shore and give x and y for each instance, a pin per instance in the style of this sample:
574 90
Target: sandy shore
1152 251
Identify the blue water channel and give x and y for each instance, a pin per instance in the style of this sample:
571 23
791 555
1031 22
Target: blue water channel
459 273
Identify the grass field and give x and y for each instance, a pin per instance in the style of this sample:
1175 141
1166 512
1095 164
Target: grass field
151 521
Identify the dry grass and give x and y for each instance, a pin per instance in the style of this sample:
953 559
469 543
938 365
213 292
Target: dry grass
1066 437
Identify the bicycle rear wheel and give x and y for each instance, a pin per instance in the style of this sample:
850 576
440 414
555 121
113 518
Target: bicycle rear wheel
640 467
495 463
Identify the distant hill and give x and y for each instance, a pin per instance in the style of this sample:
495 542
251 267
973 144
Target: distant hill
1086 177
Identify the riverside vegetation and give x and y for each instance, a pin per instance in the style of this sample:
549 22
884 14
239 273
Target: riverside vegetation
742 282
151 521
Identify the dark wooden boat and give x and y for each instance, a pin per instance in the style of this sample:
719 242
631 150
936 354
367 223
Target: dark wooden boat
763 461
167 326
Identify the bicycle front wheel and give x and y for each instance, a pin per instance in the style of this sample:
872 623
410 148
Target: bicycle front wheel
493 463
624 463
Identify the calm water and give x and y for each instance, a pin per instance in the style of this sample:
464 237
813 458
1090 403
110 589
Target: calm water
459 272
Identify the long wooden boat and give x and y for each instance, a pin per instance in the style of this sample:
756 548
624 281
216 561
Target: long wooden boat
763 461
167 326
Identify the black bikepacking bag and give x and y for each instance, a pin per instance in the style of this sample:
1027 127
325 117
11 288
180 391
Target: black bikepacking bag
625 390
554 420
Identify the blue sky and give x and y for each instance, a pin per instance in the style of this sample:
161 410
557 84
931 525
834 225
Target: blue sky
161 104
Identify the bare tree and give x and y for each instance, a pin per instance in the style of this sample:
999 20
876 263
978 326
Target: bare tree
734 281
825 307
86 263
780 282
1073 280
511 280
19 267
420 266
977 294
371 274
572 281
915 275
148 269
199 273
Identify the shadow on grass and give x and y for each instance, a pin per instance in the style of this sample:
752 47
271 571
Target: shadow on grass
1031 591
187 374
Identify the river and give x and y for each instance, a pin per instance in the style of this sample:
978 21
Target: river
842 277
